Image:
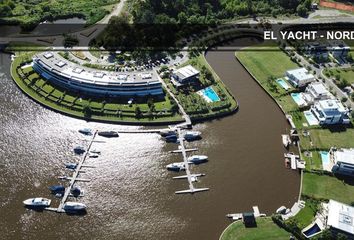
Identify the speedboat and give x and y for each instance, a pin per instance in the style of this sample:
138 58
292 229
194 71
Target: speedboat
197 159
93 155
176 167
165 133
37 202
74 207
108 134
192 135
57 189
86 131
95 151
286 140
79 150
76 191
71 166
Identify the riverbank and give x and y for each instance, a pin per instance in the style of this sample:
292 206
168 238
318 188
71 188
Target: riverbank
266 67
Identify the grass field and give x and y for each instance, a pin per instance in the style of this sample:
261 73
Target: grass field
306 215
327 187
344 73
266 229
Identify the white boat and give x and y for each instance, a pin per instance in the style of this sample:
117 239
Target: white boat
37 202
286 140
197 159
95 151
85 131
176 167
192 135
74 207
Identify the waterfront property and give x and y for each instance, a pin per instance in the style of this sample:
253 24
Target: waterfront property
65 74
330 111
299 77
283 84
316 91
184 75
340 218
343 161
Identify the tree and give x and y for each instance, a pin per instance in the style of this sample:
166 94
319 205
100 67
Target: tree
138 113
87 112
301 10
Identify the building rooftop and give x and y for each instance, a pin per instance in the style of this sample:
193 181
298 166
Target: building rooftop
300 74
56 63
331 104
319 88
340 216
186 72
344 156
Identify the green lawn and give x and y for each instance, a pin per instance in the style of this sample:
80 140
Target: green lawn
346 73
306 215
263 64
325 138
266 229
327 187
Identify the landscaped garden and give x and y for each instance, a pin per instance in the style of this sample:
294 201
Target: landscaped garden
142 111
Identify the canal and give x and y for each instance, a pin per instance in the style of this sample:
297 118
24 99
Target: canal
131 195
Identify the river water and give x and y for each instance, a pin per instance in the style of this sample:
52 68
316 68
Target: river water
131 195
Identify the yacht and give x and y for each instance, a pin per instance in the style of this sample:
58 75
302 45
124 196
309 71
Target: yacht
192 135
165 133
176 167
86 131
197 159
286 140
76 191
37 202
93 155
71 166
108 134
95 151
74 207
79 150
171 138
57 189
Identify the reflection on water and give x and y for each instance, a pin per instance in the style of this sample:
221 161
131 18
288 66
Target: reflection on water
131 195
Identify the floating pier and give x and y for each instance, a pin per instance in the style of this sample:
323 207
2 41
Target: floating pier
74 178
188 175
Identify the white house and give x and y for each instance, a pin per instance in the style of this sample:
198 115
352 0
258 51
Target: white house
343 160
184 75
299 77
340 218
330 111
316 91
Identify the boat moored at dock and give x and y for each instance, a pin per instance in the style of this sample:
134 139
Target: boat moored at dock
79 150
86 131
192 135
74 207
197 159
179 166
38 202
286 140
108 134
57 189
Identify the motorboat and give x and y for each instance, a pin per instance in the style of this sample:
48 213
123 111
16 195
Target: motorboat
75 191
86 131
286 140
165 133
57 189
79 150
37 202
95 151
71 166
197 159
108 134
176 167
192 135
171 138
74 207
93 155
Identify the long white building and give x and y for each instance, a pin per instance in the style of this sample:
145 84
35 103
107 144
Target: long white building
68 75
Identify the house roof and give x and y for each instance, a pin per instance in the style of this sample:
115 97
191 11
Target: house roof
319 88
300 74
186 72
344 156
340 216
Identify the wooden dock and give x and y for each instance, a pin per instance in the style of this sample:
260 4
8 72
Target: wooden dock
74 178
189 175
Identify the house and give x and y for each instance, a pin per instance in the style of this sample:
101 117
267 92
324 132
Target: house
184 75
330 111
318 51
316 91
299 77
340 50
340 218
343 160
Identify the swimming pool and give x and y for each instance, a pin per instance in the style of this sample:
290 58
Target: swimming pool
312 230
324 157
311 119
209 94
283 84
298 99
